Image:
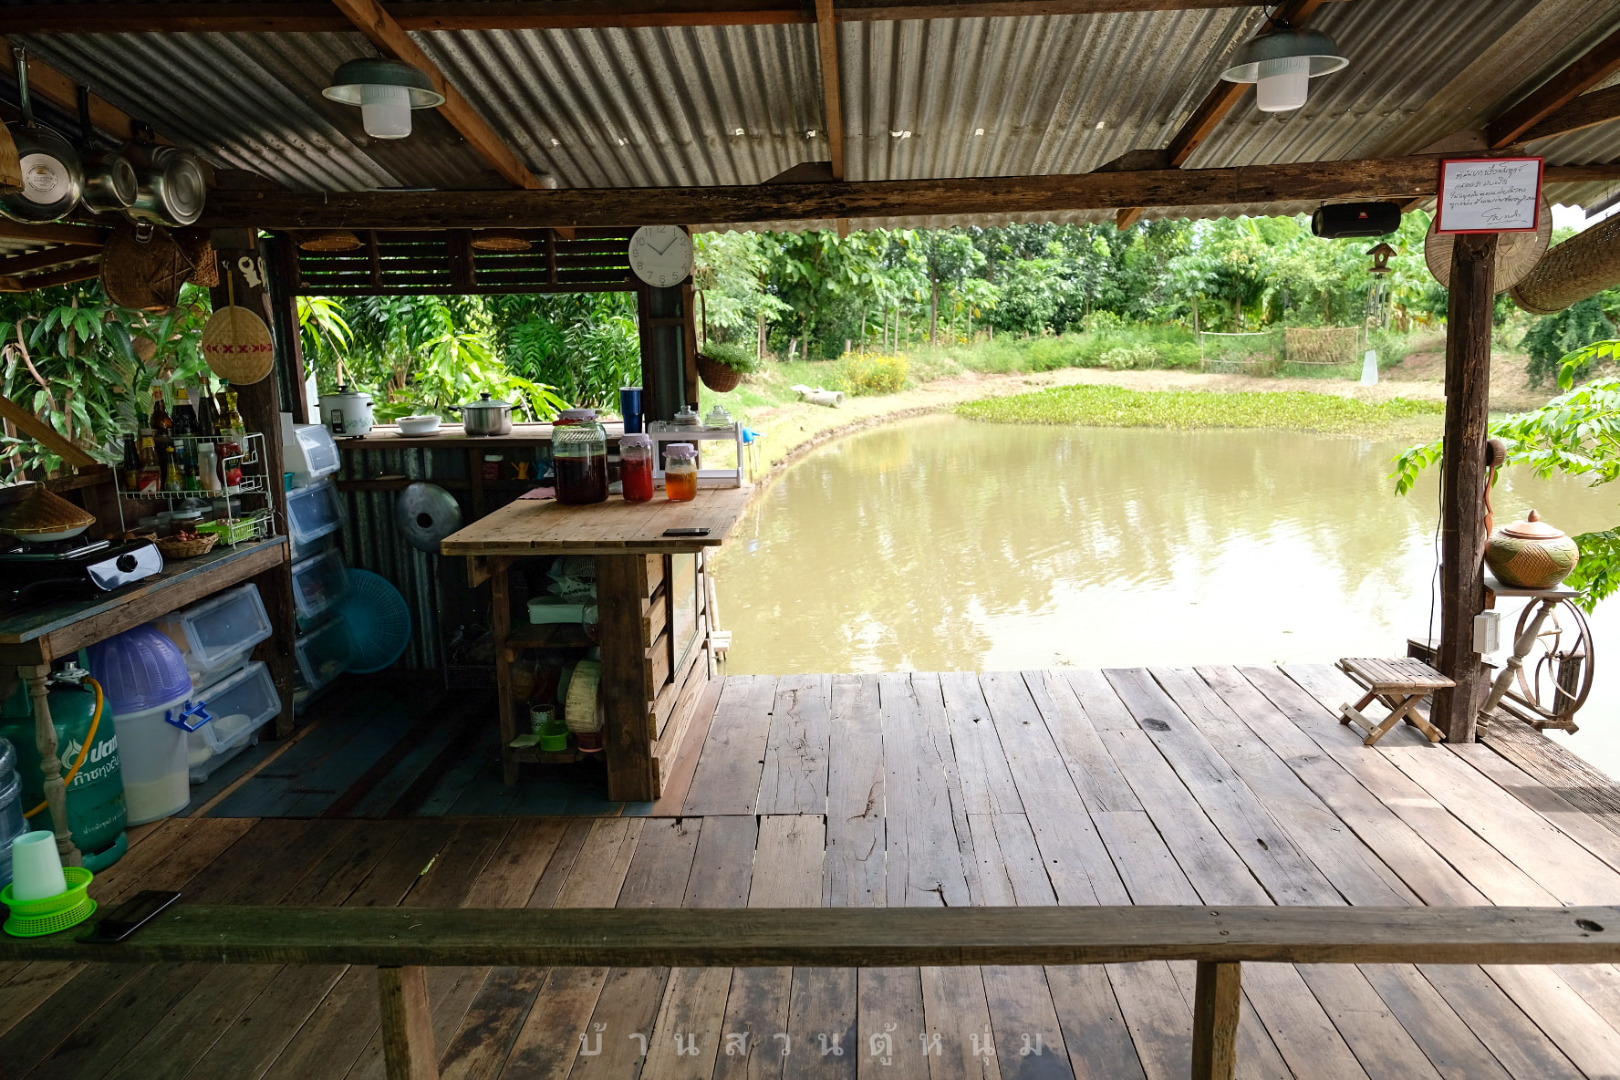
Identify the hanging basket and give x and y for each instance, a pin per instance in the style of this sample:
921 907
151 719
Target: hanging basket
199 248
238 346
144 271
717 376
1581 266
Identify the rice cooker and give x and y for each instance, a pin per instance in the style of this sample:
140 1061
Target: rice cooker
347 414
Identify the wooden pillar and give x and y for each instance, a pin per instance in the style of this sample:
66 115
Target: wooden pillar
1463 480
1217 1004
407 1024
260 405
626 692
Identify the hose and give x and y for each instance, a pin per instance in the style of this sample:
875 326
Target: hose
84 751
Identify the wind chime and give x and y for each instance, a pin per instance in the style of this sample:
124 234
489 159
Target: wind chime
1378 291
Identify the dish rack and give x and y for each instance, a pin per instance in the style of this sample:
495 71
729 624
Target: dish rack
248 501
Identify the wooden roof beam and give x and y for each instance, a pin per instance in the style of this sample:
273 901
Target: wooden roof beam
1589 110
1393 178
48 83
39 260
832 94
1598 63
309 16
372 20
1221 100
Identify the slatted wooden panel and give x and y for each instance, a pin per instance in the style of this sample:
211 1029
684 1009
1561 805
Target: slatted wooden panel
447 263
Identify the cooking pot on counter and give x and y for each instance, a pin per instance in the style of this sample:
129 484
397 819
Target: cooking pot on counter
52 174
347 414
486 417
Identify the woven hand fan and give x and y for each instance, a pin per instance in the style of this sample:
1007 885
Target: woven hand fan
236 343
1516 252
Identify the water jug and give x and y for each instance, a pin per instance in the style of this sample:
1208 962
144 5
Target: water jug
95 797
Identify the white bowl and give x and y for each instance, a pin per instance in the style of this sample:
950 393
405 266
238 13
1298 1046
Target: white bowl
414 426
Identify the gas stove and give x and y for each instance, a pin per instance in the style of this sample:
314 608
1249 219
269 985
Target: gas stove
32 574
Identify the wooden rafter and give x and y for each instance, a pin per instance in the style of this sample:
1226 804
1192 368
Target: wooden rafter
831 92
1590 109
1597 64
1221 100
372 20
307 16
50 84
39 260
54 233
1397 178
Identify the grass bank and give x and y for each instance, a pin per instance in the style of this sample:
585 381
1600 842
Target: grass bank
1291 410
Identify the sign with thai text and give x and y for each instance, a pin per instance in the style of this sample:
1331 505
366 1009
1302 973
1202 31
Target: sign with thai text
1480 195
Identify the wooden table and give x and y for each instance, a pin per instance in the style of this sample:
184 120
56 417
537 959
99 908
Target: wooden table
655 654
31 640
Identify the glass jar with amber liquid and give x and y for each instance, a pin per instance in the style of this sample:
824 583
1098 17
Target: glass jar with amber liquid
680 472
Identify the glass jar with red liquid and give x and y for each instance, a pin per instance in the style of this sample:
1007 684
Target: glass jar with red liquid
680 472
636 470
579 454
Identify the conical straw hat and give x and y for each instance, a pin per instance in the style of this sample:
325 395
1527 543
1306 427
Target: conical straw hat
1516 252
44 511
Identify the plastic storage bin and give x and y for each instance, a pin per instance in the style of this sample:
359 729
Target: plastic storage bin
319 582
217 634
148 689
322 654
312 512
241 703
312 453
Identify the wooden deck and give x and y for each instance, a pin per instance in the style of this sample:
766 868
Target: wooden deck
1215 786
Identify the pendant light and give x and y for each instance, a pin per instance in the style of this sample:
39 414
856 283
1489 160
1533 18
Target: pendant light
386 91
1282 61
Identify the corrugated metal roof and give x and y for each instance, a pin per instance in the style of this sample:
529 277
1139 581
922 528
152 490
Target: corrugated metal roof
958 97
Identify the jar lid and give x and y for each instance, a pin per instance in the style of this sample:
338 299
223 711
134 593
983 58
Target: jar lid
680 449
1532 528
577 414
635 438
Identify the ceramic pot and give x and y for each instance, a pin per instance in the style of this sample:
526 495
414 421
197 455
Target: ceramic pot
1531 554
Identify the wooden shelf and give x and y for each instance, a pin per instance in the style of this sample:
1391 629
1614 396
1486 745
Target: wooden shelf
533 755
548 636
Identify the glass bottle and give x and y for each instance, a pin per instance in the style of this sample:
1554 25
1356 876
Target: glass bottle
172 480
636 468
184 415
162 426
151 478
130 468
579 454
207 412
680 472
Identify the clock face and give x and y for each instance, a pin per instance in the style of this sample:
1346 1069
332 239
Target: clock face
661 255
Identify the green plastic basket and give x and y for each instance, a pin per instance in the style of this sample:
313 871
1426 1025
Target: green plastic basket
36 918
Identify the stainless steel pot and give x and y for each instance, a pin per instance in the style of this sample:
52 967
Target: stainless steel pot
170 188
109 178
347 414
486 417
53 176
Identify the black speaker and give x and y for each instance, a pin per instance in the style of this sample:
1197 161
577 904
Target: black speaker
1337 220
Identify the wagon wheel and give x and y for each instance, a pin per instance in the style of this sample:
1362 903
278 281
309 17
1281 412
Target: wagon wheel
1557 675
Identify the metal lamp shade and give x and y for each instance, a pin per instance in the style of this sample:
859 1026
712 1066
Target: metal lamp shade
352 76
425 514
1285 44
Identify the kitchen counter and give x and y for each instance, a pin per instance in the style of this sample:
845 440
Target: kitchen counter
614 527
453 437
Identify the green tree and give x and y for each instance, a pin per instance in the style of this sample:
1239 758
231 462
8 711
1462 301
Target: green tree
1553 337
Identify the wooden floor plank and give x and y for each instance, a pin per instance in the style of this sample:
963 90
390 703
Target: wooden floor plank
1584 828
732 760
855 868
795 771
1094 773
987 783
924 860
937 746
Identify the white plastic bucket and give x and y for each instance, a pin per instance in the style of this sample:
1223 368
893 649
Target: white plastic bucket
153 755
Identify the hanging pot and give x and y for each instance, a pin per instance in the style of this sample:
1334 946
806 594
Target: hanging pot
170 188
52 175
109 178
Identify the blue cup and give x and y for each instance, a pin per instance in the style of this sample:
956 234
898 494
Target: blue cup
630 408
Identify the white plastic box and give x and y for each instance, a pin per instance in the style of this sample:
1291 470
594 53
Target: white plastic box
319 582
217 635
311 453
312 512
241 703
321 654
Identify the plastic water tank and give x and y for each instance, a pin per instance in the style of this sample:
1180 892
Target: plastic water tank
12 823
148 688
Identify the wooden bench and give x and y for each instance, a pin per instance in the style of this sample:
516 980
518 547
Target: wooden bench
403 942
1400 684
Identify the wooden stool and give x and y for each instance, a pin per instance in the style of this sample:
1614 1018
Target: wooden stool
1400 685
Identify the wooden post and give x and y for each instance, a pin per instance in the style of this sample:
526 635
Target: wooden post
500 625
50 765
621 582
1217 1003
407 1024
1463 480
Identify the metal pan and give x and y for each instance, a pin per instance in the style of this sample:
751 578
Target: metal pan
109 178
53 176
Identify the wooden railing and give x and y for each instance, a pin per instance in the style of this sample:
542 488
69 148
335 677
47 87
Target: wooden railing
403 942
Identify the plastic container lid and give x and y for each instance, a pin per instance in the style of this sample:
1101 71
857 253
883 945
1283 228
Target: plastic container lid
140 669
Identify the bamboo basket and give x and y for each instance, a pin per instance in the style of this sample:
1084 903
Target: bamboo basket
716 376
10 164
1581 266
144 274
1517 253
174 548
200 250
236 342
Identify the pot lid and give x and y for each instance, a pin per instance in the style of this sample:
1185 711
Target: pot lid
1532 528
485 402
425 514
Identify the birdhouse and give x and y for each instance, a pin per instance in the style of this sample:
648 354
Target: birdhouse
1380 255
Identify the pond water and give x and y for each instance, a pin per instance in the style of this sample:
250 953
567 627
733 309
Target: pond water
942 544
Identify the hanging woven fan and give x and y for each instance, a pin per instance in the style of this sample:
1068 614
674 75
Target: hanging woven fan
1516 252
331 240
144 270
236 343
10 164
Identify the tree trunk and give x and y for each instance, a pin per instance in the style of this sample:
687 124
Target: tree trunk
933 312
1463 477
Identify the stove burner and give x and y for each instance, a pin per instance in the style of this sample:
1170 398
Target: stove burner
73 569
71 548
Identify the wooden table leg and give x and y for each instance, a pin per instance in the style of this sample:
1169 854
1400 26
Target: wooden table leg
407 1024
500 622
1217 1004
49 764
1510 670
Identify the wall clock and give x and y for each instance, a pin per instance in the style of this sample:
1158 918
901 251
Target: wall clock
661 255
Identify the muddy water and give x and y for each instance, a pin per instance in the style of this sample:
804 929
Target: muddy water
942 544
